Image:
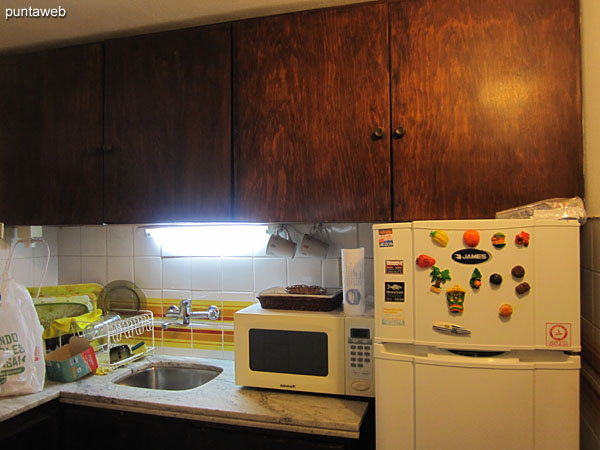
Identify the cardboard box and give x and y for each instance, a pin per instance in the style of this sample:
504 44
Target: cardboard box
71 362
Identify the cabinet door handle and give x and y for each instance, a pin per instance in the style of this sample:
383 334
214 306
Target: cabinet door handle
399 132
378 133
107 148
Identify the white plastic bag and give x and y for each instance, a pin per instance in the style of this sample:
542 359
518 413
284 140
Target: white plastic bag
22 366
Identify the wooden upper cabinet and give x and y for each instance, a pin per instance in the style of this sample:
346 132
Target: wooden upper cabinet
50 137
167 127
309 91
488 93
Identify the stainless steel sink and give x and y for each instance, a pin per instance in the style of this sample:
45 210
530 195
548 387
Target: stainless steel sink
170 378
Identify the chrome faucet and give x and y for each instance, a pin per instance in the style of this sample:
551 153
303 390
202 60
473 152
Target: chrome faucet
183 314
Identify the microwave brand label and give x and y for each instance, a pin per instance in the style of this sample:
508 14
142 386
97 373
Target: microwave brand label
394 266
288 386
470 256
394 291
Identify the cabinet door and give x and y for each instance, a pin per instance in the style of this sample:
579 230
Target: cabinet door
168 127
309 91
50 137
488 93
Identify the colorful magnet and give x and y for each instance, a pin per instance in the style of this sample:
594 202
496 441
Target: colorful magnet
475 281
496 279
451 328
471 238
455 298
439 237
438 277
425 261
498 240
522 239
505 310
518 272
522 288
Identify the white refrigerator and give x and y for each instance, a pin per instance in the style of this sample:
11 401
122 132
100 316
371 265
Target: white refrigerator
476 334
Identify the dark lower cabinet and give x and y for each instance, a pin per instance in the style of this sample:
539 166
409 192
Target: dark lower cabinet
101 427
34 429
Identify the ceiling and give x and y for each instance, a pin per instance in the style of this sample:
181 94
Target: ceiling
95 20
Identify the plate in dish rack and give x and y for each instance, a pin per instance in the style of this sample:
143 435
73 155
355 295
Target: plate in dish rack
123 297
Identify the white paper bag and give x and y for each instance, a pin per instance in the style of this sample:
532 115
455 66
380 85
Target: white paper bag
22 366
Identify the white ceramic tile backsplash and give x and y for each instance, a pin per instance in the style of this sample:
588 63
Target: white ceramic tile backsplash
69 269
177 273
93 269
69 241
238 275
148 272
207 274
119 268
222 274
119 240
93 241
305 271
269 272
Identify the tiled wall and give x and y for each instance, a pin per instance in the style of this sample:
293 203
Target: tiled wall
590 334
228 278
28 264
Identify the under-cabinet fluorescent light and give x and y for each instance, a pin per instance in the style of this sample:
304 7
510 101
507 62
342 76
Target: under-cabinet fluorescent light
210 240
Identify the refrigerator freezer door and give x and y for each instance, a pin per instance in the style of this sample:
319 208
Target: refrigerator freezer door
430 398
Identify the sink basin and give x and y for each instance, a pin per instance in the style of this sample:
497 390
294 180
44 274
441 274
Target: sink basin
170 378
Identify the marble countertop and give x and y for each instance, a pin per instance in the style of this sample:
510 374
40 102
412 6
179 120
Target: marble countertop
218 401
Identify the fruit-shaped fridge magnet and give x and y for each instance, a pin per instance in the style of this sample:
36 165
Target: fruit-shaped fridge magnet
456 299
475 281
425 261
438 277
522 239
505 310
471 238
439 237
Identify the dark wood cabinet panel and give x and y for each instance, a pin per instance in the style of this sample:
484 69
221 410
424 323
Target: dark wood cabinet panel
309 91
50 136
489 95
168 124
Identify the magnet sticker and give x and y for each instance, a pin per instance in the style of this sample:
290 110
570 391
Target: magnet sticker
394 316
385 238
438 277
425 261
498 240
451 328
475 281
455 298
505 310
518 272
558 334
394 291
522 239
471 238
439 237
496 279
522 288
394 266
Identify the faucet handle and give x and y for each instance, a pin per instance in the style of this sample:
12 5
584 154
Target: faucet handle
213 312
173 312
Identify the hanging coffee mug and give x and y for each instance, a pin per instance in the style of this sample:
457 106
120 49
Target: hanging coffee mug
313 247
278 246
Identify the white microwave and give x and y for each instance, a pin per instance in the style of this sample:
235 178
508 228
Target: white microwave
308 351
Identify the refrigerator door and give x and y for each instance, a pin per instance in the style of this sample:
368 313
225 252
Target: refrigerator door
546 315
430 398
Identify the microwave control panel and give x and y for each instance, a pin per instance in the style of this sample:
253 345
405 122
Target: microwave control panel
359 357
